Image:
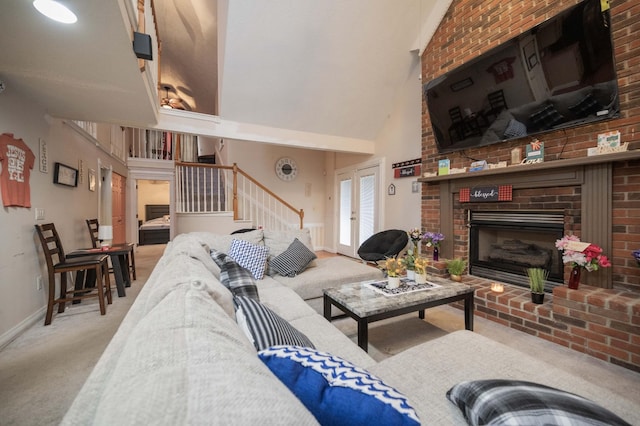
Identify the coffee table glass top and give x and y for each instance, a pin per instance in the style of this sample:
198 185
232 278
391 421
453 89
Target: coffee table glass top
364 301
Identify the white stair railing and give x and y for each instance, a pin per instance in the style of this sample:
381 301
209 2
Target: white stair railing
207 188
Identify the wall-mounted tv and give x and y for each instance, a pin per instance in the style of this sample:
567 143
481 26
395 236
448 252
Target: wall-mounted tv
556 75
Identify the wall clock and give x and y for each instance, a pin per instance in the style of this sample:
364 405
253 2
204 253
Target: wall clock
286 169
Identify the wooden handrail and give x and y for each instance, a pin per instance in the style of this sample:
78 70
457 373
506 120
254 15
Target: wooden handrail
236 170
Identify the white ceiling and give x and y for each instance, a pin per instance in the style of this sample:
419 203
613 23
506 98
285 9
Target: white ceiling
330 67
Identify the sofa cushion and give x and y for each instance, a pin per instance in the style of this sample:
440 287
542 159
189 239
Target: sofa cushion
186 362
250 256
279 241
335 390
293 260
222 243
175 270
328 272
233 276
515 402
265 328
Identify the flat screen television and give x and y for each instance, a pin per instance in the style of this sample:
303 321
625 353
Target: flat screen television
559 74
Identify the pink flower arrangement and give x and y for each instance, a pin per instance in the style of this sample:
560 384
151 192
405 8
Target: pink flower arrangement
590 258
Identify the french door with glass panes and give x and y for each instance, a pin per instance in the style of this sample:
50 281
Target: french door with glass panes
358 208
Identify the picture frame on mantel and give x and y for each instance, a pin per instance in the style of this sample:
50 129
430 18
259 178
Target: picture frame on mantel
65 175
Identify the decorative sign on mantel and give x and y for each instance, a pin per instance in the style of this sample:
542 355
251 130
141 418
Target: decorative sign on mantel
407 168
486 194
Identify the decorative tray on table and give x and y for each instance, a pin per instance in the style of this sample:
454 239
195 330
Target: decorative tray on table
406 286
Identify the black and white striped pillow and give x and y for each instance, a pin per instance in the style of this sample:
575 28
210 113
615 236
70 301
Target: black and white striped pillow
515 402
264 327
293 260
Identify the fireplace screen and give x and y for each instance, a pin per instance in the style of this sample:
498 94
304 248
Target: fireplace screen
504 244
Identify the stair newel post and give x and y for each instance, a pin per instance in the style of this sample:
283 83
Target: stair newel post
301 214
235 192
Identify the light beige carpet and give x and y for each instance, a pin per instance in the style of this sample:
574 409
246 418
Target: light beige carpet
43 369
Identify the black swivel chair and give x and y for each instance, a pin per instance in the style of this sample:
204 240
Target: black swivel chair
383 245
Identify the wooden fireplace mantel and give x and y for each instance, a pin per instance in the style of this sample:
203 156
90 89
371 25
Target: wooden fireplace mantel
547 165
594 175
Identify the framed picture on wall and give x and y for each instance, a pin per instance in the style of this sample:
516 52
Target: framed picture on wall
65 175
92 180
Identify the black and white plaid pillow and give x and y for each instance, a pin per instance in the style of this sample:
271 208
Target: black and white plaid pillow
515 402
587 105
293 260
546 117
233 276
264 327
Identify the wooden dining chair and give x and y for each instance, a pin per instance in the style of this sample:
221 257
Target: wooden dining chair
57 263
93 226
93 232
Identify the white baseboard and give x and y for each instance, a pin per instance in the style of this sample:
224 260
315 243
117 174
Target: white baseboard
16 331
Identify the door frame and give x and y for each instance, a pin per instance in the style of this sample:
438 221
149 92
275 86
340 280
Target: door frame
353 169
141 173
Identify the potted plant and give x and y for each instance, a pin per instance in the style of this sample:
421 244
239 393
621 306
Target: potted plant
456 267
421 264
395 268
537 277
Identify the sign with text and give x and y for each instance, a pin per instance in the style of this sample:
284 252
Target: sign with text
486 194
407 168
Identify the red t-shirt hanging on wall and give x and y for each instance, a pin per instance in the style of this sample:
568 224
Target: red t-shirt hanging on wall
17 161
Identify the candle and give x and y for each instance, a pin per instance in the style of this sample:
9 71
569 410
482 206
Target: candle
497 287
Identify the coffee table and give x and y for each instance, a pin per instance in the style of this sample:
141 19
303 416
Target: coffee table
365 304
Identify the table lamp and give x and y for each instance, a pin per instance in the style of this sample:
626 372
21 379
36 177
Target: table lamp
105 235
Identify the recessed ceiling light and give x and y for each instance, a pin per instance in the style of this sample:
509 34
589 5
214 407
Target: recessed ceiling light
56 11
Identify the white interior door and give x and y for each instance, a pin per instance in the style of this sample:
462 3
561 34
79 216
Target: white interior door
358 208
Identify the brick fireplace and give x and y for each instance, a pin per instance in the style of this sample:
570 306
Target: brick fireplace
599 197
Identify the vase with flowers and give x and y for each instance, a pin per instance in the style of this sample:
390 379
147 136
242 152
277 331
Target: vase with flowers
395 269
421 264
580 255
415 235
433 239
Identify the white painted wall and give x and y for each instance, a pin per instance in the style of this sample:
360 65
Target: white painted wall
21 258
399 140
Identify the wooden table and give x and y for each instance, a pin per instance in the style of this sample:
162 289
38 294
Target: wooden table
119 254
365 304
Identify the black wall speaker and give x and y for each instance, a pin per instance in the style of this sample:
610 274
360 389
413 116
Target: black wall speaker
142 46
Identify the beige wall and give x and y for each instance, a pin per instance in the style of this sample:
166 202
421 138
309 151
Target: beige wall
21 261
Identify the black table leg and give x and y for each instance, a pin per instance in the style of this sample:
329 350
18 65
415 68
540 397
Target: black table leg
363 334
468 311
327 308
117 272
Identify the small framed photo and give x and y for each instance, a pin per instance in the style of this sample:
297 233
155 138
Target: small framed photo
92 179
65 175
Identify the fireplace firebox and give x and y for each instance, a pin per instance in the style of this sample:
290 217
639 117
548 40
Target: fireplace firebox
504 244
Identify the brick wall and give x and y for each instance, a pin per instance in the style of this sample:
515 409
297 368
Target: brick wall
604 323
472 27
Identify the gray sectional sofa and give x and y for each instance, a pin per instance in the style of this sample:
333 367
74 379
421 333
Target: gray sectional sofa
179 356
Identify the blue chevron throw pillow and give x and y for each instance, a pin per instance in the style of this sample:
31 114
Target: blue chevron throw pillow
336 391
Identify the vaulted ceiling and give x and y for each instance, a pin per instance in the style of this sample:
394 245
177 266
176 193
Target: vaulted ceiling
330 67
